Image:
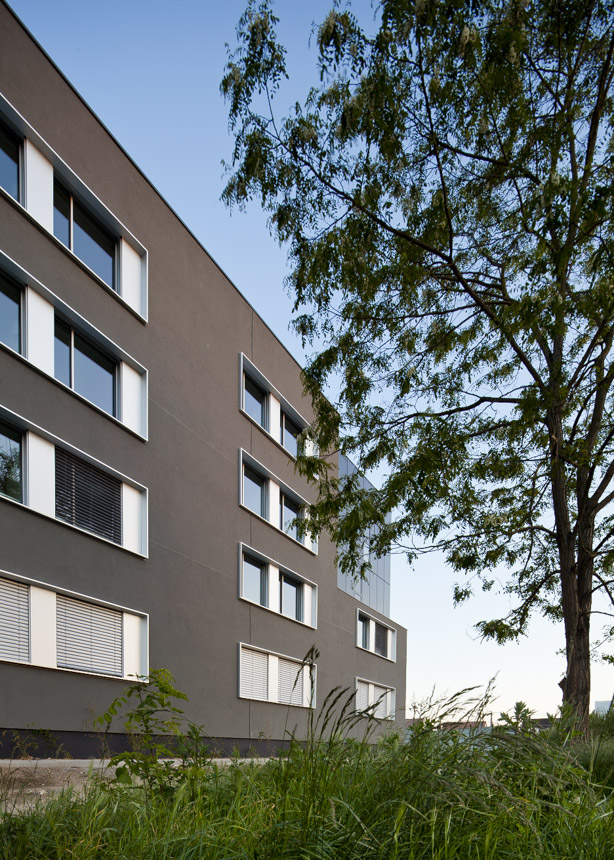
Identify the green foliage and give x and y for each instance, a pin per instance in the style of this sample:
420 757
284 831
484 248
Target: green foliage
432 795
445 192
165 755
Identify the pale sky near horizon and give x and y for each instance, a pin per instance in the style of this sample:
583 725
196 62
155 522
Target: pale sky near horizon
151 72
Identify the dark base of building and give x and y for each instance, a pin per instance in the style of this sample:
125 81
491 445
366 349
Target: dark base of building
41 743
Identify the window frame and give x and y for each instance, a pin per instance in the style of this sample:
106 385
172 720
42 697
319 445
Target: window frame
374 700
374 623
10 132
263 422
309 671
74 335
16 435
255 477
270 565
74 200
298 585
12 284
291 531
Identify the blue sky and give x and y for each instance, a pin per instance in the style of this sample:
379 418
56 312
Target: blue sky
151 72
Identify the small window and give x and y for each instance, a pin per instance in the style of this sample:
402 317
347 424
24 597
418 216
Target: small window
381 640
291 597
290 677
255 581
10 314
254 492
255 402
87 497
87 239
14 621
9 161
289 433
363 631
290 511
10 463
84 368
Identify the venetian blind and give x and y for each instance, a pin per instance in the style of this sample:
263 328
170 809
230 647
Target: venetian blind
14 621
89 637
290 686
87 497
254 683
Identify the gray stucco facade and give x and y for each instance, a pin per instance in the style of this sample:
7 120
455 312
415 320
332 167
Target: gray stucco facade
181 341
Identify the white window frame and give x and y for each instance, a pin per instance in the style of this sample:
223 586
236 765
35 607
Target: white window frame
42 598
89 200
373 698
275 406
38 491
273 571
392 636
30 337
309 671
274 488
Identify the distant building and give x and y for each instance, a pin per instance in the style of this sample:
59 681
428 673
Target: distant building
602 707
149 421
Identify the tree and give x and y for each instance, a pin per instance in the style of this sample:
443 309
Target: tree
446 195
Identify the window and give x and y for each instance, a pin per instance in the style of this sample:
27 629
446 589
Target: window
255 581
89 637
10 463
84 368
82 233
375 637
87 497
10 314
378 700
381 640
289 433
363 630
14 621
291 597
255 402
254 492
289 511
9 161
273 678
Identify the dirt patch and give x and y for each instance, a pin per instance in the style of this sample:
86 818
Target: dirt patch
24 783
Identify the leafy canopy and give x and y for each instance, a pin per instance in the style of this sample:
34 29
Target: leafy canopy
446 195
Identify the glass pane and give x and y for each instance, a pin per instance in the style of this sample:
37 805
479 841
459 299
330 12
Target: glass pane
289 512
291 598
9 162
254 582
253 492
364 631
94 375
10 462
62 352
61 214
255 402
93 245
290 435
10 314
381 640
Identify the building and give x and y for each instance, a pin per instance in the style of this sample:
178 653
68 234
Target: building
148 427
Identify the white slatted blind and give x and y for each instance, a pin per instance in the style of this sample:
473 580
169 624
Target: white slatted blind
254 681
290 687
89 637
380 700
362 695
14 621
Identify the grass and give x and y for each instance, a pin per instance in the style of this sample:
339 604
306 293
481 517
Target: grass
438 795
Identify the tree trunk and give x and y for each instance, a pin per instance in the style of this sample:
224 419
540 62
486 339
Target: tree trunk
577 686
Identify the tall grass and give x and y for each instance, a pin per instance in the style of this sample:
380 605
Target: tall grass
436 794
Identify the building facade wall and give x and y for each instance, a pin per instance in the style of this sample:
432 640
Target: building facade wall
184 461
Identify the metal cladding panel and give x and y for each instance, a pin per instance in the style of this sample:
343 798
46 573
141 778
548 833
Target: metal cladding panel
89 637
14 621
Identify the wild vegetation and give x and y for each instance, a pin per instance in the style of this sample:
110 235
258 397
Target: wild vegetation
435 793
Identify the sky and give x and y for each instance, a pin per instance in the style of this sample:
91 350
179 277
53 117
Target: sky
151 72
